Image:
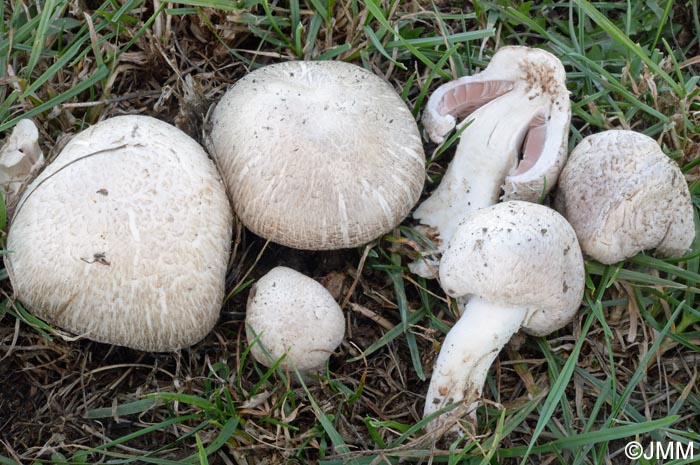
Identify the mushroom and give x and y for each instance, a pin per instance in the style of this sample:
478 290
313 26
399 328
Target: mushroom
289 313
317 155
20 158
623 195
518 107
519 266
125 237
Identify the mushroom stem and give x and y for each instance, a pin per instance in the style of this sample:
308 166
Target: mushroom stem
487 153
468 351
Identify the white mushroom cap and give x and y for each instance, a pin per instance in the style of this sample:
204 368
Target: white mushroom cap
521 267
294 315
518 254
125 237
317 155
518 105
623 195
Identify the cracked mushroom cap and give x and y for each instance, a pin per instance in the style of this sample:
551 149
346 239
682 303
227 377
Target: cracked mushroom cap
317 155
623 195
125 237
518 254
293 314
525 91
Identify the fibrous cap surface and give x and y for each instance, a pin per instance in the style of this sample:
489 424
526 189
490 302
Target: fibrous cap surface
125 237
623 195
294 315
317 155
518 254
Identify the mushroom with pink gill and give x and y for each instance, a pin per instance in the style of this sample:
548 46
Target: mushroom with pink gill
514 139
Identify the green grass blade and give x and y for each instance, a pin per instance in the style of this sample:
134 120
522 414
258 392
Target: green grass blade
130 408
613 83
147 430
276 27
613 31
557 391
662 265
379 47
451 39
59 64
594 437
424 89
334 52
389 336
20 35
377 13
322 10
224 5
100 74
335 437
188 399
662 23
635 277
312 34
40 35
201 453
497 436
229 428
402 302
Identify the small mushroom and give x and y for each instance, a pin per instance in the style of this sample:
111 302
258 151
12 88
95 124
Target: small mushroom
317 155
20 158
125 237
623 195
517 116
519 266
289 313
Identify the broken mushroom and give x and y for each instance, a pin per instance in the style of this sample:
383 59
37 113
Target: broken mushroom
317 155
291 314
125 237
516 114
623 195
519 266
20 158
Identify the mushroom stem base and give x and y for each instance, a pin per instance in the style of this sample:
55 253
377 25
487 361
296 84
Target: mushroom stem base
469 349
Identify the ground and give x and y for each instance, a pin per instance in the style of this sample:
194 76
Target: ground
625 369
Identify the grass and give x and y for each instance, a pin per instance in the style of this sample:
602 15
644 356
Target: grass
625 369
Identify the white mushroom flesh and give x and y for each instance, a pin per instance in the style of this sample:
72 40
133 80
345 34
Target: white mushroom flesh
623 195
125 237
289 314
517 108
520 266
